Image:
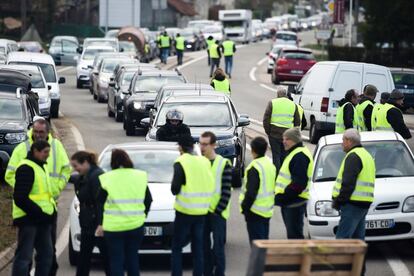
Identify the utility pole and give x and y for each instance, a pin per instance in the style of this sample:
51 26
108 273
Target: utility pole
350 23
23 15
107 16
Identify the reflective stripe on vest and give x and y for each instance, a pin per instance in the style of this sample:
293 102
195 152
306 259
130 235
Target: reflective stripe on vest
360 108
213 51
222 86
283 112
264 202
381 117
284 177
339 124
217 169
365 184
124 207
301 112
228 48
196 194
179 43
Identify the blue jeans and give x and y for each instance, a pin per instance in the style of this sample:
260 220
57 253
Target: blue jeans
352 222
215 260
123 251
258 229
30 237
293 219
165 52
185 227
228 63
214 64
179 57
278 152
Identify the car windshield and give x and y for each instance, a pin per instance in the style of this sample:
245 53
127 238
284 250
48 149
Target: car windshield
35 78
111 43
48 70
152 161
298 55
153 83
109 66
126 78
199 114
392 159
90 54
403 79
212 30
127 46
286 36
233 24
11 109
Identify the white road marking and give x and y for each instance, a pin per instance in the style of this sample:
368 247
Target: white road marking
192 61
260 62
251 73
64 69
268 87
396 264
256 121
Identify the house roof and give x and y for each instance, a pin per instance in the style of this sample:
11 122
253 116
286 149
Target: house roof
182 7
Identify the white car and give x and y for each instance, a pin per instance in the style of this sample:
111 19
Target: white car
101 41
286 37
39 86
273 54
215 31
157 159
48 67
85 62
391 215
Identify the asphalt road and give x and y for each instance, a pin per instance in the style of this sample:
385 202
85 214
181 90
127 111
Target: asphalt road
251 91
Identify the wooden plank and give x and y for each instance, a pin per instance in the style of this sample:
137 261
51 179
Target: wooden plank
293 273
283 259
305 268
316 259
358 264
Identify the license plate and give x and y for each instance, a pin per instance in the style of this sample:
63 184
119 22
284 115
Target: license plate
296 71
152 231
379 224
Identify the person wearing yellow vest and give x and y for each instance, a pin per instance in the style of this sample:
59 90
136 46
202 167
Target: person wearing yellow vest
126 201
390 118
210 40
228 48
365 108
215 56
257 195
219 212
353 192
57 163
164 45
193 186
301 112
292 183
385 96
220 83
34 210
179 48
280 115
346 115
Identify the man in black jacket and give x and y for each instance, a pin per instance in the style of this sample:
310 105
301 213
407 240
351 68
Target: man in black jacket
349 118
34 214
174 128
395 116
365 107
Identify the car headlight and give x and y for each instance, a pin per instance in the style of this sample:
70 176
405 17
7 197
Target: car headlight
139 105
324 209
15 138
225 142
408 205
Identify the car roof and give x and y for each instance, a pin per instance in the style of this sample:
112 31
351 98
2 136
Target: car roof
30 57
67 37
22 67
406 70
8 95
366 136
143 145
160 73
100 39
14 77
185 86
93 47
110 59
286 32
210 98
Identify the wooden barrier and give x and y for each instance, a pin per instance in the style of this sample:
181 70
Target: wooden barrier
306 257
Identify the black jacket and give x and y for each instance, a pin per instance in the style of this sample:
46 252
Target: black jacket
367 112
87 188
298 171
22 188
396 120
171 133
348 114
352 167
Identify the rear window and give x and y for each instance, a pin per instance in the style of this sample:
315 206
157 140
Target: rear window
48 70
285 36
403 79
298 55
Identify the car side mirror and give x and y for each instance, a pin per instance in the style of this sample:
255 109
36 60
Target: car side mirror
95 72
62 80
49 87
90 67
145 122
79 50
243 121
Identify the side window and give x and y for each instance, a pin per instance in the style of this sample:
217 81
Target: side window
69 46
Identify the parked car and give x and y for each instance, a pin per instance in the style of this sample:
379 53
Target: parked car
391 215
47 65
100 41
257 30
159 224
286 37
292 64
214 112
404 82
85 62
215 31
129 48
326 83
7 46
273 54
142 92
192 41
31 46
63 50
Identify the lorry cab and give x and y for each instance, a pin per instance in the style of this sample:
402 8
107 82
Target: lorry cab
237 24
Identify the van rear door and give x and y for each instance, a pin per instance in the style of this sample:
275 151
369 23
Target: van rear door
379 76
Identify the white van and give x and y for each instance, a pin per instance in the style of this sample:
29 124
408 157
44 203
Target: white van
326 83
47 65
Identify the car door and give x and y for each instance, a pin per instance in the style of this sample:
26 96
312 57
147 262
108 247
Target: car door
69 52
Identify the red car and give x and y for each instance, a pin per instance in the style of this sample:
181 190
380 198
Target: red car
292 64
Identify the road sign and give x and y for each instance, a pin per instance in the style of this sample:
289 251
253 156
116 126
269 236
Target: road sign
323 34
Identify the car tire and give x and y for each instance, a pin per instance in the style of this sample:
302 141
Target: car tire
237 176
274 78
78 84
118 115
54 111
129 128
95 97
100 99
73 255
269 71
110 113
314 134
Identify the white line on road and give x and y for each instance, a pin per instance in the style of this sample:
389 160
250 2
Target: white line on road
396 264
64 69
252 72
268 87
260 62
256 121
191 62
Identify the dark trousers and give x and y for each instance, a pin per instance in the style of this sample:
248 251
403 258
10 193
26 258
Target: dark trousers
214 257
29 238
293 219
215 63
278 152
257 229
55 266
185 227
88 242
208 57
123 251
179 57
228 63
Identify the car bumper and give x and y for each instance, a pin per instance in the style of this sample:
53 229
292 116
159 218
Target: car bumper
289 76
103 92
136 115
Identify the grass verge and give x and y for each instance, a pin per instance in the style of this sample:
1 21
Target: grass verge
7 231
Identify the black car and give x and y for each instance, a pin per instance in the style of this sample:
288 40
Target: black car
142 92
212 112
404 82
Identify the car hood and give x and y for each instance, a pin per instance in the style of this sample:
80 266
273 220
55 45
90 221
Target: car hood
15 126
143 97
221 132
85 63
42 92
162 197
286 42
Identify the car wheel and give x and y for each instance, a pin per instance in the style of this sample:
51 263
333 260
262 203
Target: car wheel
110 113
95 97
269 71
78 84
129 128
118 115
73 255
314 134
274 78
100 99
124 122
54 111
237 176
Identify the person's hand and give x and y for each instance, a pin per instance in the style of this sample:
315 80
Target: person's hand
335 205
99 232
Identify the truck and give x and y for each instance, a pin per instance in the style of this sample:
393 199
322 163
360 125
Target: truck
237 24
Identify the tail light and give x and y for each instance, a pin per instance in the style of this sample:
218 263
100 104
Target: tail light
282 61
312 62
324 104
